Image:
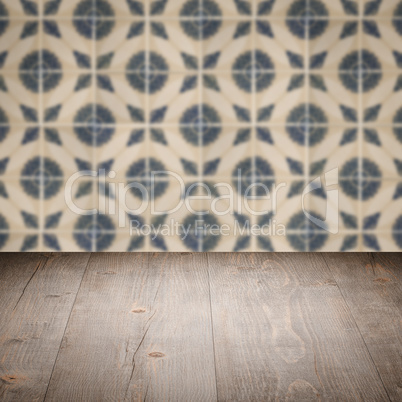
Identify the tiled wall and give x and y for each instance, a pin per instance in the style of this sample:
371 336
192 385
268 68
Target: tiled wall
273 92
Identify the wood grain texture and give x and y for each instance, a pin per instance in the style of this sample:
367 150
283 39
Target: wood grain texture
32 332
283 331
16 270
202 327
371 286
140 328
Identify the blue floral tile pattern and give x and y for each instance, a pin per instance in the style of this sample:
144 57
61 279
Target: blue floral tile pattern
200 125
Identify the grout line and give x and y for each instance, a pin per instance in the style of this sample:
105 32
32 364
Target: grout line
360 138
234 18
41 140
307 111
148 125
94 229
254 119
200 128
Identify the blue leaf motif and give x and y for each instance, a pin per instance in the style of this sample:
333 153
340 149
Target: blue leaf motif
371 222
31 134
295 60
211 60
3 165
30 220
211 167
29 113
349 114
52 221
317 60
264 134
83 60
158 115
136 137
242 113
51 28
264 28
296 167
136 29
105 83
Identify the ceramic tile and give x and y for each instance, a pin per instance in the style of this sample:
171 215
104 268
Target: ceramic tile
231 101
382 45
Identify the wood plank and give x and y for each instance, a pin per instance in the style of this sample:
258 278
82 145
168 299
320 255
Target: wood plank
16 270
371 286
140 329
283 331
31 334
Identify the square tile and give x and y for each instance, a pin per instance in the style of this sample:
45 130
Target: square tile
382 212
339 145
19 46
232 145
175 100
337 48
381 103
280 101
121 99
124 48
19 144
281 147
278 46
125 146
172 47
227 100
382 145
382 47
23 209
230 48
72 45
67 98
170 148
64 145
334 100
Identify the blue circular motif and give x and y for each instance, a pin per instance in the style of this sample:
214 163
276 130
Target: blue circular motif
310 237
89 18
94 125
40 68
4 18
198 23
147 75
4 228
94 233
250 69
356 68
202 235
201 121
397 232
4 125
306 20
366 181
140 172
398 121
41 177
397 21
257 172
307 121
